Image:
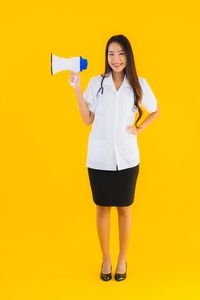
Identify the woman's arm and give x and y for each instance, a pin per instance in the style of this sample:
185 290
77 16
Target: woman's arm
87 115
147 121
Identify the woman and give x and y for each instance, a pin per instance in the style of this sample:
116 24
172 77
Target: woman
110 104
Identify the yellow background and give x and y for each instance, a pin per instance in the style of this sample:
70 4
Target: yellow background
49 244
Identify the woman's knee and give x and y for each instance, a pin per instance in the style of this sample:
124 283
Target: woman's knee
102 210
124 210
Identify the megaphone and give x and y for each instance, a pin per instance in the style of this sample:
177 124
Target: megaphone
74 64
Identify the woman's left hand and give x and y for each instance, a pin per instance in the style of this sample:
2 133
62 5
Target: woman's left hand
133 130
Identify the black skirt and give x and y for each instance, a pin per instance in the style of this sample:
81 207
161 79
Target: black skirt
113 188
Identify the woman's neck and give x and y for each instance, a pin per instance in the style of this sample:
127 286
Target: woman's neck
118 77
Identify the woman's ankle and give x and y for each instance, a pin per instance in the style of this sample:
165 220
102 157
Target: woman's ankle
106 259
122 258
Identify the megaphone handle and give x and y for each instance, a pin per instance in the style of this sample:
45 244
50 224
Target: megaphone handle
75 80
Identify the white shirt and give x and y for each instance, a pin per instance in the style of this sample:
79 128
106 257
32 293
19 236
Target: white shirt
110 145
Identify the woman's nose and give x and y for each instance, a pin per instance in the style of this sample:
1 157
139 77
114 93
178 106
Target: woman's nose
116 60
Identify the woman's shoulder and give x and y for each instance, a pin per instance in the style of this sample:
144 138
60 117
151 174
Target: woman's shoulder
96 79
142 80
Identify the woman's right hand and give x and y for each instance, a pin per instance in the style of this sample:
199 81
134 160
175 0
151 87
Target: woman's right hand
74 79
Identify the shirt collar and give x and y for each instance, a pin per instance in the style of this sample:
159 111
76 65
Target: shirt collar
108 81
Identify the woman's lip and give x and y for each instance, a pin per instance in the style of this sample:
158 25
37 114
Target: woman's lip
117 65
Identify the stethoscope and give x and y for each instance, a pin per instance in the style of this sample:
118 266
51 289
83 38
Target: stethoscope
101 88
134 108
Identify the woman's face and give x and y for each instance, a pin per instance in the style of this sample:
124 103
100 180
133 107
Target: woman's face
116 57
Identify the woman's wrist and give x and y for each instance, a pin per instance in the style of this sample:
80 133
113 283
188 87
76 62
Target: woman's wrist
77 89
139 129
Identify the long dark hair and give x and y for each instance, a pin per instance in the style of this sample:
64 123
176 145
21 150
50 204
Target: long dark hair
130 69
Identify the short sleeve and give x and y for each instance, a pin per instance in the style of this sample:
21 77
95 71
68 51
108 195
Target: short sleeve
149 101
89 96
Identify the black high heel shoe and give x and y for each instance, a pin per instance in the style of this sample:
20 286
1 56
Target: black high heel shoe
104 276
119 276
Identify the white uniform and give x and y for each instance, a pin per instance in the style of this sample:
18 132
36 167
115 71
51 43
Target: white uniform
110 145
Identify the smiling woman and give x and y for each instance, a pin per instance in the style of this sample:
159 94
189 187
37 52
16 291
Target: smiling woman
117 60
113 98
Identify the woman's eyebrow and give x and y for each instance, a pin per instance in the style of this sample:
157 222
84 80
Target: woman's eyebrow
114 51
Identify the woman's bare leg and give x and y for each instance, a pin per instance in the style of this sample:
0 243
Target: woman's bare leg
103 228
124 222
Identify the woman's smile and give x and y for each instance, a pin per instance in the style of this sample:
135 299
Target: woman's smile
117 65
